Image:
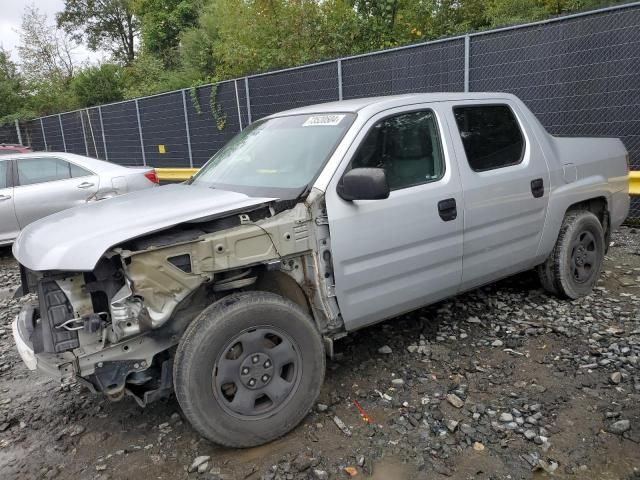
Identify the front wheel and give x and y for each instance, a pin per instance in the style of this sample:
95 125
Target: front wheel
248 369
573 268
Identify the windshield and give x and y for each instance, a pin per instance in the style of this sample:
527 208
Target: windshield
277 157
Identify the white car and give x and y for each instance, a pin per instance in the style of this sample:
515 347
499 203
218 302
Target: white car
34 185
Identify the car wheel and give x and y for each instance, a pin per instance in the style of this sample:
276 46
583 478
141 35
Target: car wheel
248 369
573 268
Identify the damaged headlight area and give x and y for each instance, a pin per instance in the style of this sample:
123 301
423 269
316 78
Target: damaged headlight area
92 327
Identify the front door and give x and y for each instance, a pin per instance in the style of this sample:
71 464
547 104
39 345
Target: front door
397 254
48 185
9 227
505 180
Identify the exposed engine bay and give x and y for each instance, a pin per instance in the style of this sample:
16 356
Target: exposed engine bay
114 328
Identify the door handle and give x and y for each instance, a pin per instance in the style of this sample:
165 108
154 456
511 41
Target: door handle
537 187
86 185
447 209
5 197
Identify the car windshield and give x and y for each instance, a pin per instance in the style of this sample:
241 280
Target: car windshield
277 157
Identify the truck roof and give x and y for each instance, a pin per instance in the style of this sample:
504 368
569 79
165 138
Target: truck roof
391 101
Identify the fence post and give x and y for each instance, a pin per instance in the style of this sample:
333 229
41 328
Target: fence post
246 88
44 136
235 83
144 157
104 140
18 132
186 125
467 40
340 79
64 142
84 134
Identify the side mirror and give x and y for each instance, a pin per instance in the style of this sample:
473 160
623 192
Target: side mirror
364 184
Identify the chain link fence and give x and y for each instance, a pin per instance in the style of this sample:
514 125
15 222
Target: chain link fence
580 74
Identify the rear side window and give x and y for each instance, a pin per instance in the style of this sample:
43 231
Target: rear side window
41 170
491 136
3 174
407 146
77 171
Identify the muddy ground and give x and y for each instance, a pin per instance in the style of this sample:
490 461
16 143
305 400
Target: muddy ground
505 382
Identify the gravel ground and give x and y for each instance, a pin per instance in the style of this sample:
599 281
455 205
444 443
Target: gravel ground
503 382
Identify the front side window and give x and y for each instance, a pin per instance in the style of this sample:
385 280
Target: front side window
491 136
41 170
407 146
277 157
3 174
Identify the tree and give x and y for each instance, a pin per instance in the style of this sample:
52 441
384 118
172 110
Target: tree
162 22
99 84
102 24
11 100
45 53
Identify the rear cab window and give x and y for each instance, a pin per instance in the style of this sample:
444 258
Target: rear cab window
491 136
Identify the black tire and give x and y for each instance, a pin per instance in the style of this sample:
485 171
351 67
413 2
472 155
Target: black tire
228 337
573 268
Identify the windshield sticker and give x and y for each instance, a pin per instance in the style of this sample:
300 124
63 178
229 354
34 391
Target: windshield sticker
323 121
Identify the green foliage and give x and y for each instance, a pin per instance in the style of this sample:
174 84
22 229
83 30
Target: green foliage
162 23
217 113
219 116
97 85
11 99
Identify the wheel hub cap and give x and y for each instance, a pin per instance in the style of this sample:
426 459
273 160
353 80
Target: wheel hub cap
584 257
256 370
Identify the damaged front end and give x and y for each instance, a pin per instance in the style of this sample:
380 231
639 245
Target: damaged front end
115 328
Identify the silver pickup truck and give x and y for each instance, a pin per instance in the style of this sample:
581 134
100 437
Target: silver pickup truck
231 289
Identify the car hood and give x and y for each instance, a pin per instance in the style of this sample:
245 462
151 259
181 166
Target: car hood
76 238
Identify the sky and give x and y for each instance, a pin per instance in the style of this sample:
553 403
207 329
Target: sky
11 18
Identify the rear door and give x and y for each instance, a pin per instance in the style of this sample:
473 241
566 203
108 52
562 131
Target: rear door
47 185
9 227
505 181
394 255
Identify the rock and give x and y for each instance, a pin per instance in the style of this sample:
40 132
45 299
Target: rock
75 430
322 407
385 350
302 462
101 467
616 378
397 382
195 465
619 427
341 425
497 343
318 474
478 447
529 434
506 417
452 425
454 400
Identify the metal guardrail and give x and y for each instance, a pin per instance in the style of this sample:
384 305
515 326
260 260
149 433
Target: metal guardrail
634 183
175 174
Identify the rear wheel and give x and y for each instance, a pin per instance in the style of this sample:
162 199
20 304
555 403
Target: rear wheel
248 369
573 268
